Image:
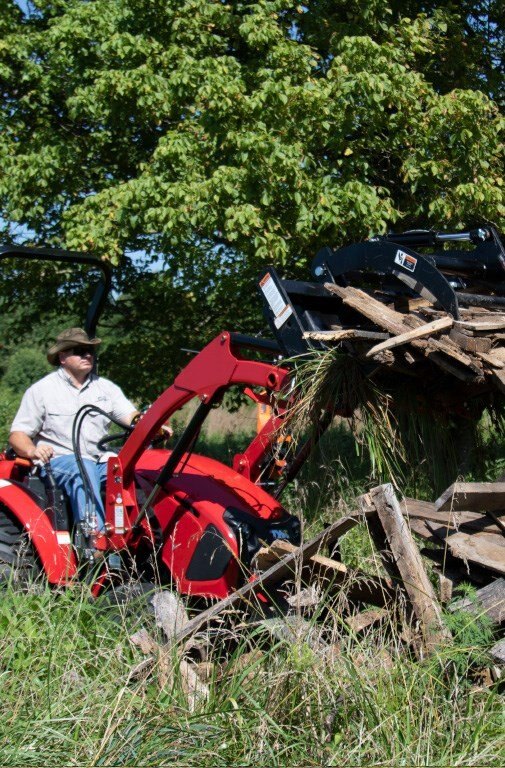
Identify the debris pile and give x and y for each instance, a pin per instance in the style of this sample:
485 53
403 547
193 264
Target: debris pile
414 339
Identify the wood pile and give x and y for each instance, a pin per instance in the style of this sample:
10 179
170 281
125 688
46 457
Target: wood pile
465 528
288 585
288 575
412 338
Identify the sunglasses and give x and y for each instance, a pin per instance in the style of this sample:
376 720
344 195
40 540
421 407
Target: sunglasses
83 351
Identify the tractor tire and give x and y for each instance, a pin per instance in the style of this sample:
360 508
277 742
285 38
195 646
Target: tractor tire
18 561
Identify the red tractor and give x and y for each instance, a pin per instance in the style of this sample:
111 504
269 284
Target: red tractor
189 520
184 518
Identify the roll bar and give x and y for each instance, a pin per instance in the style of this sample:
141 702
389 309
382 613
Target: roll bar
102 287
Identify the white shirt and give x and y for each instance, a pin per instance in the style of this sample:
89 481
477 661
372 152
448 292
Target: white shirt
49 406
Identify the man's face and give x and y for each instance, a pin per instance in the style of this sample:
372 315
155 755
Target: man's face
78 360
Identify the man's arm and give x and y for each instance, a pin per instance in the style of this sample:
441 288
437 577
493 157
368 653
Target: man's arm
127 420
164 431
26 448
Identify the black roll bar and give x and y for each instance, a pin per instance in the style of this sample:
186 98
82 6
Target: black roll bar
102 287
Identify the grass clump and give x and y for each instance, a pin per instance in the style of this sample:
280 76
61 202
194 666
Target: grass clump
403 433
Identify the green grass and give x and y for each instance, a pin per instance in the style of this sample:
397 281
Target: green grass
67 698
67 695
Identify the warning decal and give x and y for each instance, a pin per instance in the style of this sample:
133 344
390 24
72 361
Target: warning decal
279 307
405 260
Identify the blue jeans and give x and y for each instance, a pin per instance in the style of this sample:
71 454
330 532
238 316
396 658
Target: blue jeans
66 473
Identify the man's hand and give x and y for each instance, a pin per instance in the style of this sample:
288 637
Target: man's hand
26 448
41 453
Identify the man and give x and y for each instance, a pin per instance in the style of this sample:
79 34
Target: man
42 427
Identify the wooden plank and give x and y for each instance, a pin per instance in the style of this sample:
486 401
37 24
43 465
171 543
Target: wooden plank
473 497
328 567
414 509
420 527
265 557
489 600
482 549
344 333
276 573
491 360
442 324
473 344
406 566
484 326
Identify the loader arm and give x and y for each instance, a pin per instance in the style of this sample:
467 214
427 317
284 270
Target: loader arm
219 366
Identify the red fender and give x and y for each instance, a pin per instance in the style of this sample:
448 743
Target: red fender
53 548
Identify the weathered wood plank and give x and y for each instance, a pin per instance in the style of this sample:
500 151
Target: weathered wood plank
344 333
406 566
484 326
473 497
489 600
483 549
442 324
414 509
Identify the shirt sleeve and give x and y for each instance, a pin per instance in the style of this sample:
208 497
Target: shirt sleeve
30 415
121 406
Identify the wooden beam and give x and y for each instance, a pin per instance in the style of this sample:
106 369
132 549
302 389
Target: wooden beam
413 509
473 497
483 549
403 561
416 333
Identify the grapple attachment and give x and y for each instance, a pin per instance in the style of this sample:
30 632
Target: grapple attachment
420 263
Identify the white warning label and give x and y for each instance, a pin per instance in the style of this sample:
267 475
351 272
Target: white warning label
279 307
119 518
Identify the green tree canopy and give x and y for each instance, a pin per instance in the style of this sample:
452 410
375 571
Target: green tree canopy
217 136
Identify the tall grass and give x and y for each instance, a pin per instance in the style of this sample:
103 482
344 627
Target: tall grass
67 697
405 435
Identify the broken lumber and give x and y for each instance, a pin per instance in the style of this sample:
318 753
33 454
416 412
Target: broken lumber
416 333
490 600
474 497
403 562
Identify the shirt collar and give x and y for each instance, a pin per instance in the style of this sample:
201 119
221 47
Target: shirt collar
64 375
